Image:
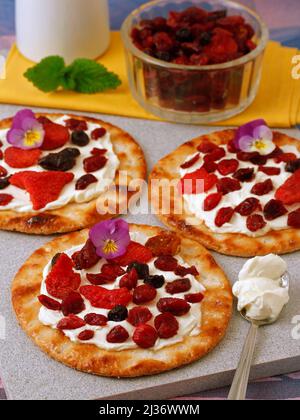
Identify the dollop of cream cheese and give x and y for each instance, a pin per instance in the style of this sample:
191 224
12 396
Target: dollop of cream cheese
21 202
259 289
189 324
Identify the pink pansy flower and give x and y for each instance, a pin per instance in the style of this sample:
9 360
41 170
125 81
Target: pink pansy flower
255 136
26 132
111 238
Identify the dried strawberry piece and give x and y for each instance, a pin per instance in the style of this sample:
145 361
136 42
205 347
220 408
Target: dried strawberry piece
49 303
255 222
207 147
62 280
228 166
130 279
212 201
178 286
145 336
216 155
100 279
166 263
197 182
286 157
224 216
289 192
117 335
294 219
56 136
191 162
135 253
244 175
112 269
94 163
72 322
228 185
248 206
194 297
98 133
18 158
43 187
139 315
87 257
183 271
166 325
76 125
263 188
96 320
104 298
177 307
86 335
144 294
210 167
274 209
72 304
167 243
271 171
5 199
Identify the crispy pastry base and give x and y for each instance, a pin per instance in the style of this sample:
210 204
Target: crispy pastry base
76 216
216 313
240 245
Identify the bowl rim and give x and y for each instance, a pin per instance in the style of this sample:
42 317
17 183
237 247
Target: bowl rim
129 45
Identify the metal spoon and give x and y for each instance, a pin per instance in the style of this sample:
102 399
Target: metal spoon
239 386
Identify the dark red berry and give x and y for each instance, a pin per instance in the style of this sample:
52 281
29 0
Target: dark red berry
76 125
144 294
286 157
259 160
191 162
98 152
86 335
274 209
118 314
73 304
228 185
212 201
117 335
293 166
44 120
294 219
49 303
98 133
4 183
141 269
207 147
182 271
194 298
244 175
268 170
86 258
177 307
130 280
85 181
210 167
224 216
145 336
139 315
249 206
72 322
178 286
166 263
228 166
96 320
246 156
255 222
216 155
94 163
3 172
231 147
263 188
166 325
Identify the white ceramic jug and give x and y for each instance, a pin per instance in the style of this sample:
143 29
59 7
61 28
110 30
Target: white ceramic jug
70 28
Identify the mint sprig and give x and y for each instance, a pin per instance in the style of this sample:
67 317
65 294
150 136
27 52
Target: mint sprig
83 76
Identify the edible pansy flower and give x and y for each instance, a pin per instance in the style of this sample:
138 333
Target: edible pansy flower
26 132
111 238
255 136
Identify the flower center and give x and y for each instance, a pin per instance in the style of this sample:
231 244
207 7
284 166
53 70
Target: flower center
31 138
110 247
260 144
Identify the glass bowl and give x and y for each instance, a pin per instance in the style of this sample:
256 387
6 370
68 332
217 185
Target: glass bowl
194 94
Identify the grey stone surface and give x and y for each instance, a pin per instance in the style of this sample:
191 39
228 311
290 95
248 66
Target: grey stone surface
29 374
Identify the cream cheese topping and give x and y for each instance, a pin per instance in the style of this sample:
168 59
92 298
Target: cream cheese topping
259 289
195 203
189 324
21 202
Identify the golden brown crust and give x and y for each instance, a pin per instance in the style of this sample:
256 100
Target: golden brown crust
216 314
76 216
240 245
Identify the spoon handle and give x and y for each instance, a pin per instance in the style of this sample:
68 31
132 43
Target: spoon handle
240 383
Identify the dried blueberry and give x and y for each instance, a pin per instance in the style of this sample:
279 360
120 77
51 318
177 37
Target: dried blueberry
155 281
80 138
141 269
62 161
205 38
293 166
118 313
184 35
4 183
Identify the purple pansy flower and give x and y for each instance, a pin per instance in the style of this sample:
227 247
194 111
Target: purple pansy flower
26 132
255 136
111 238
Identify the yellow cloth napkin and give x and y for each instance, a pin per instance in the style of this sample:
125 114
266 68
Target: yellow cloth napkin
278 100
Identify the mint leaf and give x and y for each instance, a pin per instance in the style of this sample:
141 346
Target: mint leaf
48 74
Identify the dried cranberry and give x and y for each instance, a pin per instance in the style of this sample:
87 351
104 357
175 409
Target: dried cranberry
98 133
94 163
210 167
44 120
3 172
72 322
4 183
139 315
76 125
130 280
98 152
228 185
207 147
255 222
145 336
177 307
212 201
191 162
73 304
224 216
182 271
49 303
274 209
216 155
144 294
85 181
246 156
178 286
155 281
248 206
271 171
63 161
118 314
166 263
96 320
194 298
141 269
184 35
293 166
276 152
244 175
286 157
86 335
117 335
263 188
163 41
259 160
228 166
5 199
166 325
231 147
294 219
87 257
